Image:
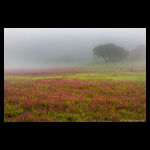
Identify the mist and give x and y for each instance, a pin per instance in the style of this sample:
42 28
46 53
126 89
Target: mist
51 47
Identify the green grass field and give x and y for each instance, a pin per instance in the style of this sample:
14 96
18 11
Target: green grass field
135 71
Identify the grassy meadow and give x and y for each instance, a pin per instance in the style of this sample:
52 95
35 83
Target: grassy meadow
94 92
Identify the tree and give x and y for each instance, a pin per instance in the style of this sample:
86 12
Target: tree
111 52
138 53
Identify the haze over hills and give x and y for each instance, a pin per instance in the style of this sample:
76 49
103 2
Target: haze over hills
30 48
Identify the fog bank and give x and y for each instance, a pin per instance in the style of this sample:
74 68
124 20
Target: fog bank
51 47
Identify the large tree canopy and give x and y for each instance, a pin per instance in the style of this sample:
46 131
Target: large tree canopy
111 52
139 52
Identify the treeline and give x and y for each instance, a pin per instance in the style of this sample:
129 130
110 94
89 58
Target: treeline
110 52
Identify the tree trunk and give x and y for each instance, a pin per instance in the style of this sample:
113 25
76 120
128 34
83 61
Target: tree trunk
110 59
104 59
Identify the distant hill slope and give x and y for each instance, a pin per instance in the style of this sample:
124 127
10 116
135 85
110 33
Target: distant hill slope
128 63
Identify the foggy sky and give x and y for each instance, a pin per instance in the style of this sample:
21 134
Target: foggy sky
29 47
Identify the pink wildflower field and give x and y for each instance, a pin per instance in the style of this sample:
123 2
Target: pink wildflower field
75 95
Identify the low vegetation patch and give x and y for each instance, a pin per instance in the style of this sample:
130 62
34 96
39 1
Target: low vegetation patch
96 95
